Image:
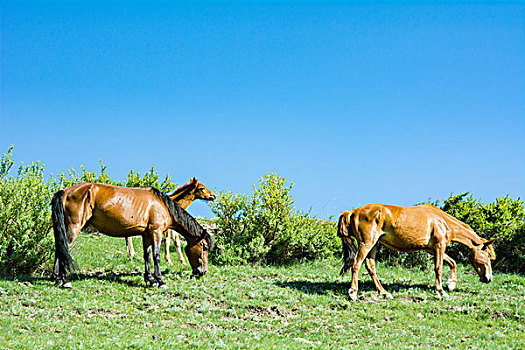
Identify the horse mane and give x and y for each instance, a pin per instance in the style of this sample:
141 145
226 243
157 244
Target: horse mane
185 221
181 189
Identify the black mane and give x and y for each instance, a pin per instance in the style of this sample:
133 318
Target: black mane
185 223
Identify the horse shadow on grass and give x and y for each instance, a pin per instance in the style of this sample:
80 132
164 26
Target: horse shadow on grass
129 278
341 288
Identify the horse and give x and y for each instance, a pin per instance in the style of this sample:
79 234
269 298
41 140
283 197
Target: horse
122 212
408 229
183 196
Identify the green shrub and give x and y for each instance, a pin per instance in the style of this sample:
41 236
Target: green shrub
510 252
266 228
26 237
150 178
415 260
506 222
309 238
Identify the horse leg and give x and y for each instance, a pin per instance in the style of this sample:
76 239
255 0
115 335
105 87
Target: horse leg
453 280
371 267
147 244
157 239
176 243
129 245
167 239
54 275
362 253
438 261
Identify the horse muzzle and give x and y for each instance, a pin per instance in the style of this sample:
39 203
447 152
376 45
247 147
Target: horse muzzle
485 279
199 271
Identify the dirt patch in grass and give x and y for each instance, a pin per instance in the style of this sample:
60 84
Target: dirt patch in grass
414 299
268 312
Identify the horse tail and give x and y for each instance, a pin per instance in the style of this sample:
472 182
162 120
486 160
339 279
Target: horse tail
349 249
59 227
342 225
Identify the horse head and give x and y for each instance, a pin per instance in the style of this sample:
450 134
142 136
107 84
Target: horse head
197 253
480 257
201 192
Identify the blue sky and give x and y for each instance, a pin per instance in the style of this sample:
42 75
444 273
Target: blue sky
385 102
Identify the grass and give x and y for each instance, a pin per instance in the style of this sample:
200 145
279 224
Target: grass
293 307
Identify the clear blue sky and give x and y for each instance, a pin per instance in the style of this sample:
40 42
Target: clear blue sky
390 102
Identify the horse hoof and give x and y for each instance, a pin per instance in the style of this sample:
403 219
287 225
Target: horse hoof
387 295
164 286
451 286
150 284
443 294
67 285
353 296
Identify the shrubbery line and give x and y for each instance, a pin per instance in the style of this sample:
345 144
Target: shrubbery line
262 228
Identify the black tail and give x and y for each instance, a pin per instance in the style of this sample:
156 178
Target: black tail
349 249
62 254
349 253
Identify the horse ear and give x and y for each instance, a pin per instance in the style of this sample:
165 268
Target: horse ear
193 180
488 246
487 243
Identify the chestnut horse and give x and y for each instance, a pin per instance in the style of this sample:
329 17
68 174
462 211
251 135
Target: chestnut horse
183 196
408 229
123 212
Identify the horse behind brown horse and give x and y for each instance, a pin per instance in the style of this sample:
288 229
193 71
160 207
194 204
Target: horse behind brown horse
408 229
123 212
183 196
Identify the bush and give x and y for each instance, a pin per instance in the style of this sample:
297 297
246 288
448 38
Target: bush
266 228
26 238
309 239
415 260
150 178
134 179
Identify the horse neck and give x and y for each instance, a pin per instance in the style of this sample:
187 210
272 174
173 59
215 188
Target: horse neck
184 198
185 202
465 235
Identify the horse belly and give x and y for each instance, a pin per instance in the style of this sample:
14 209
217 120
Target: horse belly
404 243
117 225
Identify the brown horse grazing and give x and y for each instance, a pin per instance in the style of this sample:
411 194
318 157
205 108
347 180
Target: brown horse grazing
183 196
408 229
123 212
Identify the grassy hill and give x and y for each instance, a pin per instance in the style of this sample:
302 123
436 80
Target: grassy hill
296 307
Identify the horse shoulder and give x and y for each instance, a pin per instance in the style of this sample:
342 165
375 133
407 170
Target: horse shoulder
156 211
441 231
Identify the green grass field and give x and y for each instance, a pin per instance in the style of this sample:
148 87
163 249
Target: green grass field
300 306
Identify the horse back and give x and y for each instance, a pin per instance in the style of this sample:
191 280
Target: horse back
117 211
401 228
